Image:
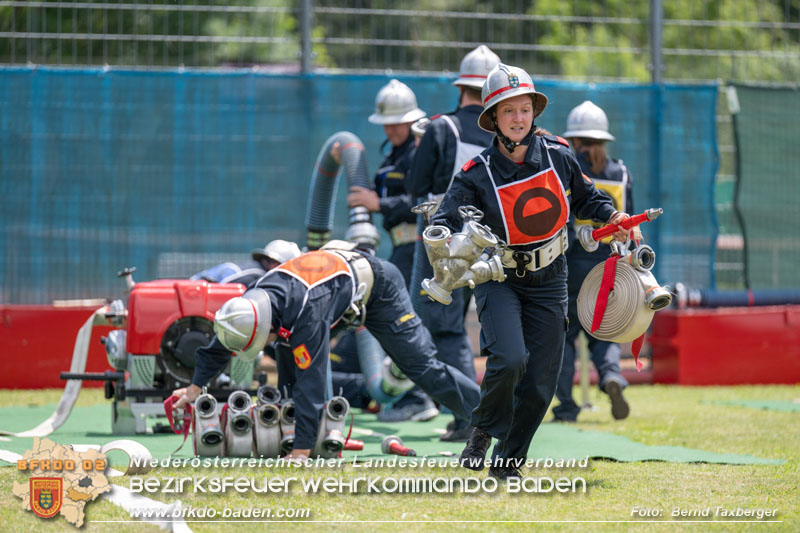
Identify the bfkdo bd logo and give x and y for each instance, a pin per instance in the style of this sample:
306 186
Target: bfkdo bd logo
46 495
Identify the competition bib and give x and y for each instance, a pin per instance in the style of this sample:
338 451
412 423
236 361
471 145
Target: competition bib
533 209
316 267
616 190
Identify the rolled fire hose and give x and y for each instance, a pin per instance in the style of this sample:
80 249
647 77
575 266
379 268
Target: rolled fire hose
238 427
421 268
627 316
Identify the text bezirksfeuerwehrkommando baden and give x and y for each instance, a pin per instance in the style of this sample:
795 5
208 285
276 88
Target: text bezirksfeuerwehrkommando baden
352 485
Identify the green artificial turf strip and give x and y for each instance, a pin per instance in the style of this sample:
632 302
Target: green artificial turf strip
92 425
769 405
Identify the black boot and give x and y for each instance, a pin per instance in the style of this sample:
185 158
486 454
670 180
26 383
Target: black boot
503 472
474 454
619 407
504 468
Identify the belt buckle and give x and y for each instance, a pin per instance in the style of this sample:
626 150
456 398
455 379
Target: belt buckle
523 259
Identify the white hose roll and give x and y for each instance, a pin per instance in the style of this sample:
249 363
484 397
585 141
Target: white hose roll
627 316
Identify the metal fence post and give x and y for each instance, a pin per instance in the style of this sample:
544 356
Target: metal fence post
656 64
306 65
656 24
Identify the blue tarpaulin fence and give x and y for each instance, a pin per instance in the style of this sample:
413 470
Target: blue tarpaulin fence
174 171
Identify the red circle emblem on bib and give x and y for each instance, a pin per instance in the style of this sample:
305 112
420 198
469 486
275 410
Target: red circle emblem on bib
534 209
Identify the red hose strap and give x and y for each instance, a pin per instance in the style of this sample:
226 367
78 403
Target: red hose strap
636 347
186 421
347 439
606 286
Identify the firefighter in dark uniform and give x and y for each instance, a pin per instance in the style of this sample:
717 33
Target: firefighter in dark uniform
525 183
587 130
306 300
450 140
396 110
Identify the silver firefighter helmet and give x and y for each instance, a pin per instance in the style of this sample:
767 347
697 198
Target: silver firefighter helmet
587 121
243 323
277 250
504 82
395 104
475 66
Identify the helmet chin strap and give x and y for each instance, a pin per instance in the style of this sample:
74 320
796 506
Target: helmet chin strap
508 143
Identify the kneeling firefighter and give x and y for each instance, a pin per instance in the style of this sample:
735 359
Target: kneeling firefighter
525 185
307 299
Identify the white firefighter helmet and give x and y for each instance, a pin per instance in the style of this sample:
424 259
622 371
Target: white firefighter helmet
243 323
475 66
504 82
588 121
277 250
395 104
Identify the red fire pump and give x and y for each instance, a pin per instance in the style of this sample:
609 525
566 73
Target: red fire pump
153 351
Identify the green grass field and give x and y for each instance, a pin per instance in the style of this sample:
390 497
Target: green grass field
661 415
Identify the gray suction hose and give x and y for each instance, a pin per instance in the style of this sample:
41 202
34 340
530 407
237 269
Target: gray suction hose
319 221
384 384
319 213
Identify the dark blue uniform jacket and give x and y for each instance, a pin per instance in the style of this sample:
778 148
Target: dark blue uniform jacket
474 187
433 163
390 185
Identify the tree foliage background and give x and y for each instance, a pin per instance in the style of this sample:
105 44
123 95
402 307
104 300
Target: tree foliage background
582 39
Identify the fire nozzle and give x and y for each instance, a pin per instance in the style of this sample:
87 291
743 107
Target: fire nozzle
590 238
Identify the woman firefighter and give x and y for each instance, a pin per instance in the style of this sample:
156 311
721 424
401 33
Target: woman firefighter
526 184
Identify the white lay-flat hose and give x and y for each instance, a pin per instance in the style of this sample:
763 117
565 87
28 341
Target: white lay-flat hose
627 316
80 353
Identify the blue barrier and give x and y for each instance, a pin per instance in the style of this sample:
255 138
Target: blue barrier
173 171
